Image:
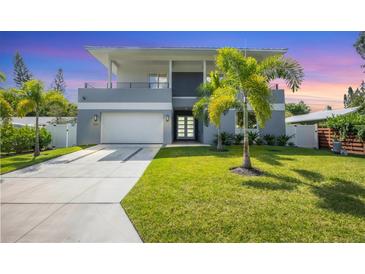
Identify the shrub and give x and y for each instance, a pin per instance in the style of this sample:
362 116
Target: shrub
269 139
238 138
252 136
45 138
7 138
291 144
259 141
24 138
282 140
227 138
345 125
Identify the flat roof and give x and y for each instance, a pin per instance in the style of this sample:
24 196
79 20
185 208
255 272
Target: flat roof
120 54
281 50
319 115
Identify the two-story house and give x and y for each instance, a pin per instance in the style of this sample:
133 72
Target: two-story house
149 95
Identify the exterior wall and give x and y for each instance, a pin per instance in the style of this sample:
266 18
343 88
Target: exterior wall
275 125
139 71
186 83
88 131
96 95
183 103
228 125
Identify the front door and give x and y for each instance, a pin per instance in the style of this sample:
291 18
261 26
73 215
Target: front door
185 128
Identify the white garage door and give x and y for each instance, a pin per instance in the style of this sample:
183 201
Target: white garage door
131 127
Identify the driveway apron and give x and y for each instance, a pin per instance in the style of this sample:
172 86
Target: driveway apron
75 197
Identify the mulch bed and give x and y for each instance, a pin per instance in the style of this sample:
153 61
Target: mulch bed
246 172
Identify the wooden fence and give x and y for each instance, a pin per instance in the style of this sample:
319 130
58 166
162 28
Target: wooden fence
350 144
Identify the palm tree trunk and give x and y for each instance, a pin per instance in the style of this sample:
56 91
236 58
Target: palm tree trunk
36 147
246 149
219 142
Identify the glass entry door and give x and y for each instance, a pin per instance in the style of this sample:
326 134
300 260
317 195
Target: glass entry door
185 127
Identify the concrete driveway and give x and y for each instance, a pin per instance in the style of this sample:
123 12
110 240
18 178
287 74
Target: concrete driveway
74 198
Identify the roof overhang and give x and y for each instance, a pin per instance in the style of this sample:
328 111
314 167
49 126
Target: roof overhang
319 115
125 54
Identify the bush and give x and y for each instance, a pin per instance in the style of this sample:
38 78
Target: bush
282 140
227 138
45 138
7 138
252 136
269 139
24 138
238 138
345 125
259 141
291 144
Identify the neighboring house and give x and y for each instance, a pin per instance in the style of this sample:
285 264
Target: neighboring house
149 95
318 116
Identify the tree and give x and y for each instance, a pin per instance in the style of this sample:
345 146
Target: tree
59 83
21 72
248 82
360 45
34 99
293 109
2 77
355 98
200 108
6 111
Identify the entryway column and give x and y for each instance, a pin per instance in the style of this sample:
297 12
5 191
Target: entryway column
170 73
110 72
204 71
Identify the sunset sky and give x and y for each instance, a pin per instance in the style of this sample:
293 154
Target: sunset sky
329 59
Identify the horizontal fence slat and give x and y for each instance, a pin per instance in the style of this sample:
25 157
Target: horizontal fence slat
351 144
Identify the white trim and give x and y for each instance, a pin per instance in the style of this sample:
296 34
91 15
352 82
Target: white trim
182 97
126 106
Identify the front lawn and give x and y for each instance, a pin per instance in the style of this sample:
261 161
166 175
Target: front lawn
11 163
188 194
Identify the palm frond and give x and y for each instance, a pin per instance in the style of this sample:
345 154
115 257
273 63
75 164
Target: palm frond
25 106
288 69
200 110
2 77
259 94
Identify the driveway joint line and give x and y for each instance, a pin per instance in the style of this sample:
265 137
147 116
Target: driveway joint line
131 155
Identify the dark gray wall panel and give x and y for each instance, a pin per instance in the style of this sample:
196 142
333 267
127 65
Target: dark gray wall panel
186 83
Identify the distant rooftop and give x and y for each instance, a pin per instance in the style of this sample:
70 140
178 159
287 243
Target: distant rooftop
319 115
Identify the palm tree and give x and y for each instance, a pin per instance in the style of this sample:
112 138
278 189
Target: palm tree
34 99
2 77
200 109
247 81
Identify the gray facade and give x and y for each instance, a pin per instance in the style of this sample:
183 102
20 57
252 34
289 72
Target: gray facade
153 96
89 130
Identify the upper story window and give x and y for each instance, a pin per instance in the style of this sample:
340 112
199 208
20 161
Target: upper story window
158 80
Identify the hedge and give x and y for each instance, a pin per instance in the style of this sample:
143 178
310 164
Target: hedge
22 139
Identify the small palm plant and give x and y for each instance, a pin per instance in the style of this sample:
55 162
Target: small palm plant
34 99
247 82
207 91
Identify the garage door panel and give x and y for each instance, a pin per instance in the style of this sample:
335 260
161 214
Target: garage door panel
131 127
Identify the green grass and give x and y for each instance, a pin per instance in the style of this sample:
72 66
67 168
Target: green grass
189 195
11 163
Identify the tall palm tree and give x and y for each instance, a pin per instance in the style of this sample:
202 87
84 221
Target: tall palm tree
248 82
200 109
33 99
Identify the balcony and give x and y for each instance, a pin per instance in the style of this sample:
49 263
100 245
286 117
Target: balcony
125 92
128 85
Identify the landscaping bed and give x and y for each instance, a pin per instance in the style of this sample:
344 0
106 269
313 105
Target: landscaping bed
189 194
